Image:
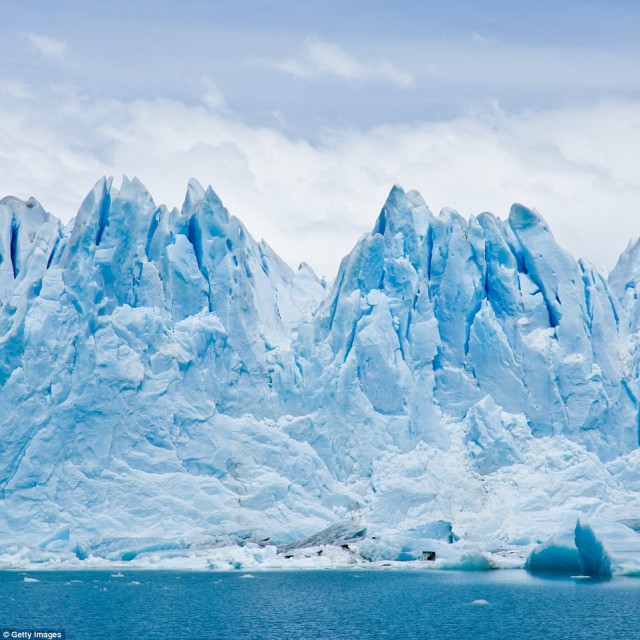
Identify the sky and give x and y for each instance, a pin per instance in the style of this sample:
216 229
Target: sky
302 115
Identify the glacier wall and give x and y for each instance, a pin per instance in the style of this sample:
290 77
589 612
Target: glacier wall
170 384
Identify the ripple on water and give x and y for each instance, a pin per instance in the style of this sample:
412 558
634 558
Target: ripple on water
323 604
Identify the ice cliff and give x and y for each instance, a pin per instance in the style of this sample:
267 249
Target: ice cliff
171 388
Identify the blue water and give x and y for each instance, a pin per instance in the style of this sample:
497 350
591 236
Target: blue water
320 604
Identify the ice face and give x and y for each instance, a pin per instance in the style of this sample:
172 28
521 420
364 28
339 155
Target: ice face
169 383
28 238
625 282
464 309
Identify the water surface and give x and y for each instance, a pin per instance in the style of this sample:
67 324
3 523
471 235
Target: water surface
94 605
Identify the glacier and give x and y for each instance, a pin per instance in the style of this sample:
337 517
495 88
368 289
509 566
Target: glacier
172 393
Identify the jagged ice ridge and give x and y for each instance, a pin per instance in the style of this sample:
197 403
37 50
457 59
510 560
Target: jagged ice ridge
173 393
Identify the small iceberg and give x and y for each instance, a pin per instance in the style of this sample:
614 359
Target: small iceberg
480 601
27 579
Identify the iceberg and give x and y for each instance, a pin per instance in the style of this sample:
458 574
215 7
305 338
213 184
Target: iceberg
172 392
593 548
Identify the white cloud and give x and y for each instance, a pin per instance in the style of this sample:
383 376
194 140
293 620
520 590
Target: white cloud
213 97
48 47
322 58
578 166
482 38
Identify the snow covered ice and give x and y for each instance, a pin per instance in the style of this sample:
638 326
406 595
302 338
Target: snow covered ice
173 394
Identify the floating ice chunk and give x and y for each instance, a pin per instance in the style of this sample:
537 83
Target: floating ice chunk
608 548
593 556
558 555
593 548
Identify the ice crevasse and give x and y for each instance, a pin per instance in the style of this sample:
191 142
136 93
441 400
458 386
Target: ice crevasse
171 389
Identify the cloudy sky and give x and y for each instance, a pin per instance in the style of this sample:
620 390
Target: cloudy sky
302 115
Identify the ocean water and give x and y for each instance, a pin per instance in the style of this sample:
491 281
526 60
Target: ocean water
93 605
